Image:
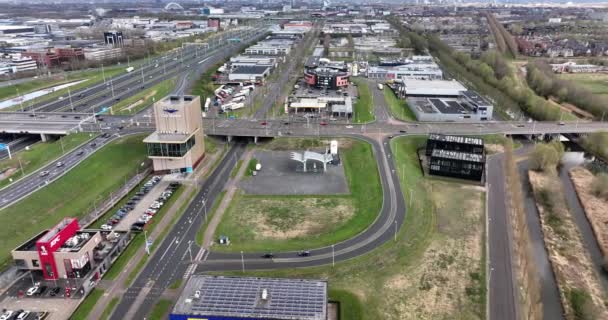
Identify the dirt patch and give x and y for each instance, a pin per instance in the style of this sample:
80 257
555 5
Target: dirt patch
288 218
442 282
494 148
569 259
596 209
8 173
140 101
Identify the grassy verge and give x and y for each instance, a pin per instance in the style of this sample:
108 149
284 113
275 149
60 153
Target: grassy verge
87 305
109 308
160 309
94 178
176 284
349 305
398 108
364 107
236 168
200 235
277 223
119 265
39 155
92 77
251 167
424 274
144 99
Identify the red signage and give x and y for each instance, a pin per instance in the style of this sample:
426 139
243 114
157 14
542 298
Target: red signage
50 242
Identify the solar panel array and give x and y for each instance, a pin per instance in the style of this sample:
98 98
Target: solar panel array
237 296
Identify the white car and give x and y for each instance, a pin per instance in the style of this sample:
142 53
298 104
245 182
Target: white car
151 212
23 315
7 315
32 291
155 205
106 227
349 127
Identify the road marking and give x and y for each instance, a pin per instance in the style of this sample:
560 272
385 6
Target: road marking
168 247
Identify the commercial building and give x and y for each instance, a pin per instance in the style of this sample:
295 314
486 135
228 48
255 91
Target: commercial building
424 71
114 39
16 30
441 100
241 61
66 251
101 54
249 73
335 105
455 156
247 298
177 145
323 73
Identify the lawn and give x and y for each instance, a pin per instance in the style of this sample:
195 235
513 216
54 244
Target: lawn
39 155
435 269
277 223
144 99
398 107
597 83
82 312
161 309
72 195
364 107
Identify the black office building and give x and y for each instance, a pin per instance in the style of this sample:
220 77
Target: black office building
113 38
457 164
454 143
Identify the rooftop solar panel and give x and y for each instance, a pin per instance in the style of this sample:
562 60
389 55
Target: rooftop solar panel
236 296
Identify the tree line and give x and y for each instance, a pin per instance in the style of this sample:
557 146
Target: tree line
505 43
544 82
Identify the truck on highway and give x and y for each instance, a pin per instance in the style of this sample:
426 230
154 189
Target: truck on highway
129 69
380 86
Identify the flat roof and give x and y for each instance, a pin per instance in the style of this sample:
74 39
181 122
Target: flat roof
475 98
448 106
433 87
249 70
456 139
457 155
161 137
287 299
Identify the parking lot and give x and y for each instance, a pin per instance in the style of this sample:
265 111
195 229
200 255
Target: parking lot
141 206
280 176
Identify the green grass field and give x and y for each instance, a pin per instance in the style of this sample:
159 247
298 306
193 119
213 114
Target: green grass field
597 83
83 310
279 217
425 273
39 155
144 99
364 107
398 108
161 309
71 195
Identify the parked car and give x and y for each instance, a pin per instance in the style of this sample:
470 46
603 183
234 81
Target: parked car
23 315
137 227
6 315
55 291
106 227
42 290
33 290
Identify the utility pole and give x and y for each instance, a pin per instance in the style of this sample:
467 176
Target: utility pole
243 261
103 74
333 256
70 97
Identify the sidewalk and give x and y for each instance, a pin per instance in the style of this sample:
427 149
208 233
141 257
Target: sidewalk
116 287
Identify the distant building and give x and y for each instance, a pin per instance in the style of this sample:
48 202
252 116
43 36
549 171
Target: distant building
114 39
177 145
210 10
455 156
102 54
21 64
248 298
249 73
213 23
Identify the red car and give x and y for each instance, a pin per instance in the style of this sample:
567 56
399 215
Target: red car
323 123
264 123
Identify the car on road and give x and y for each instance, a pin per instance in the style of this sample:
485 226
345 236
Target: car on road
349 127
263 123
105 135
80 152
6 315
268 255
323 123
59 164
43 173
106 227
304 253
561 123
23 315
521 125
402 131
93 144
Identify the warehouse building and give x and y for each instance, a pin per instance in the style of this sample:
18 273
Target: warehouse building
177 145
249 73
455 156
246 298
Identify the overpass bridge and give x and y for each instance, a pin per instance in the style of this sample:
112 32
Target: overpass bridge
44 123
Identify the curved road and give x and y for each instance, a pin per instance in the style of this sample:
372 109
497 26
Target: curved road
172 259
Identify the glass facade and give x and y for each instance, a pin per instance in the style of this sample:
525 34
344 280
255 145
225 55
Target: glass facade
173 150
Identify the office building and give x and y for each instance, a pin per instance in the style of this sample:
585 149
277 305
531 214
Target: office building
177 145
248 298
455 156
114 39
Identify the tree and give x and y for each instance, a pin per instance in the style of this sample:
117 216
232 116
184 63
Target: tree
545 157
599 186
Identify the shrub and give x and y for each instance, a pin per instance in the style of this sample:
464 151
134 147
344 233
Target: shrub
545 157
600 186
582 305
